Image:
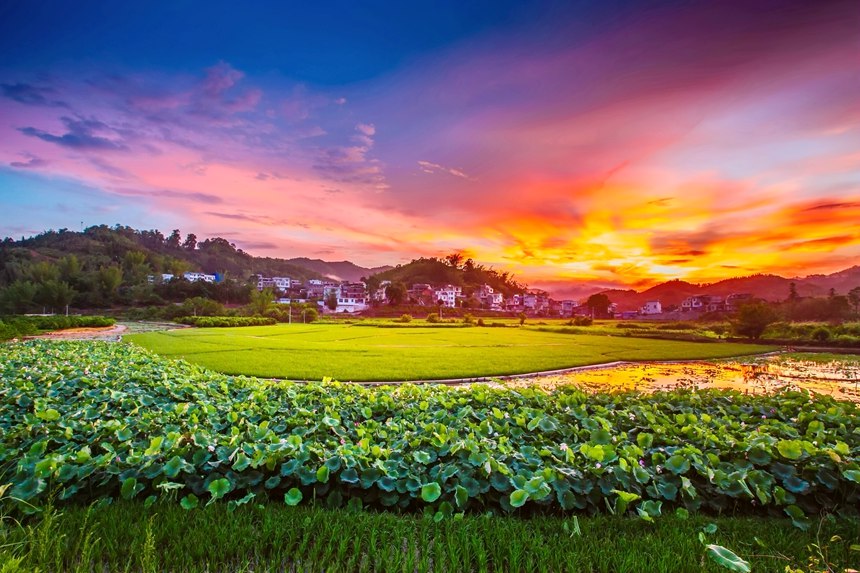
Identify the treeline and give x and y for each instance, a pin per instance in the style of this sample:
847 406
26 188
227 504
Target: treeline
455 269
105 266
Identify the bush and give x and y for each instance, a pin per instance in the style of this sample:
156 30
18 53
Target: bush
433 317
626 325
677 326
405 318
226 321
18 326
468 319
481 322
821 334
581 321
310 314
753 318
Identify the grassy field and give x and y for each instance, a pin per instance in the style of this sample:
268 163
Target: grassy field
129 537
352 353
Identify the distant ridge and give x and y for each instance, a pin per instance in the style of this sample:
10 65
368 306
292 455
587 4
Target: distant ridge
765 286
338 270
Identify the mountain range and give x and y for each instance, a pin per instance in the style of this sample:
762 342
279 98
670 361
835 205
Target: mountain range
768 287
337 270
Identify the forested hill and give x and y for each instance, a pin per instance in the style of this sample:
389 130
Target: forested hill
101 246
104 266
452 270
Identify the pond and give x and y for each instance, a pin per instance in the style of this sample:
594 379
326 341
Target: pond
839 378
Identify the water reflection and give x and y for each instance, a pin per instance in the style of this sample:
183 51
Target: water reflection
840 379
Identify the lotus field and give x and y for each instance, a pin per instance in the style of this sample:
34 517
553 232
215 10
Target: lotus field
99 421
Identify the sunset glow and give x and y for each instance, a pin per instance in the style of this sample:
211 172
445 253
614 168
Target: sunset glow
693 140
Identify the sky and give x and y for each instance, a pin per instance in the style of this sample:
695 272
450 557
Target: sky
606 143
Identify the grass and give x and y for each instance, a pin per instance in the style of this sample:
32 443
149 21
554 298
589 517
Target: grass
822 357
349 353
129 537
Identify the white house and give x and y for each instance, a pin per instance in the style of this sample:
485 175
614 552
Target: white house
568 306
448 294
199 277
651 307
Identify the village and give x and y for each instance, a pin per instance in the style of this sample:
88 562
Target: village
337 297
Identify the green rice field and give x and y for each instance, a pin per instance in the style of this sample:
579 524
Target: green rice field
348 352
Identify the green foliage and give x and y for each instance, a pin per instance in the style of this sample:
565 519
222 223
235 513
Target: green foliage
17 326
582 321
128 536
753 318
410 351
433 318
599 304
727 558
226 321
309 314
396 293
405 318
89 421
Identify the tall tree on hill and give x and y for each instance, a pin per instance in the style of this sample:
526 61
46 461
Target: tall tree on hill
454 259
174 241
190 242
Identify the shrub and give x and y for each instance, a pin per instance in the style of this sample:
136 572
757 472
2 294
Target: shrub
677 326
226 321
522 317
310 314
821 334
626 325
433 317
405 318
17 326
582 321
468 319
481 322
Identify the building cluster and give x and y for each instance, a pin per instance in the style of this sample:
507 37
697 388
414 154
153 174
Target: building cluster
713 303
698 304
190 277
354 297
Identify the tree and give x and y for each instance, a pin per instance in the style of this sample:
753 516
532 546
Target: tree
854 298
598 304
395 293
753 318
261 301
18 297
190 242
55 294
331 301
371 283
309 314
792 292
174 241
454 259
109 279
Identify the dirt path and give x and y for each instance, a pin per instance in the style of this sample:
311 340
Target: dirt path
97 333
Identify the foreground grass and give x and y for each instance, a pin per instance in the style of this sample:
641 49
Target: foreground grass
350 353
130 537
